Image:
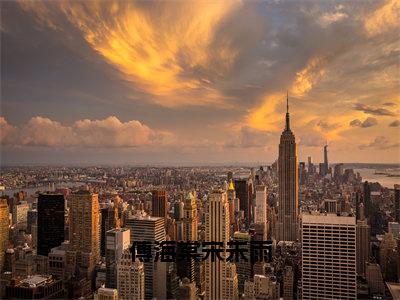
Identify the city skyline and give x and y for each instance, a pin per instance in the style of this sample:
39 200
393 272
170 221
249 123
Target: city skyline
198 82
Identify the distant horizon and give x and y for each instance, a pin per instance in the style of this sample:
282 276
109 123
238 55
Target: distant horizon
184 164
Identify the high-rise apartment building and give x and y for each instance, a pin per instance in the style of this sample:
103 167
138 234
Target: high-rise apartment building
50 222
159 204
288 223
145 228
84 231
117 241
329 256
217 230
130 277
4 230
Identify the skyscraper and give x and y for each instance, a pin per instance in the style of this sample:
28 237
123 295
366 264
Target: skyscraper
397 202
217 230
117 240
326 165
50 222
287 223
4 230
329 256
84 231
145 228
159 204
363 240
261 205
243 192
243 267
109 220
189 233
130 277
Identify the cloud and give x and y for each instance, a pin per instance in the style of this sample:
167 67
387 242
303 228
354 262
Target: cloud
161 48
248 137
369 109
368 122
380 143
384 18
395 123
312 139
356 123
109 132
309 76
389 104
329 18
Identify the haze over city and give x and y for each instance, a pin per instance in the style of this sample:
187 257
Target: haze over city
181 82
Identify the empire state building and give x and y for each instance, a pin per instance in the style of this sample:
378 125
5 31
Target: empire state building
288 208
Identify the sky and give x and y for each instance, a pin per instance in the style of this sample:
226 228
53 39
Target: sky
179 82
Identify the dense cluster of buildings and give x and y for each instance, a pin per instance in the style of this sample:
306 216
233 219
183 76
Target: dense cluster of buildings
334 237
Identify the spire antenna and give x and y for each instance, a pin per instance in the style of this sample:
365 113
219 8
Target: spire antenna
287 101
287 112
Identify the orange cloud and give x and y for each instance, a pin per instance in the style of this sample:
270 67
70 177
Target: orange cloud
161 50
307 77
384 18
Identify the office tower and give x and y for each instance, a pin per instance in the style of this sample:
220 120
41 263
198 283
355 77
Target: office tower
243 192
84 231
172 280
31 220
130 277
374 278
230 290
4 230
243 267
388 257
338 173
326 165
261 205
217 230
189 233
329 206
367 200
288 223
302 173
106 294
288 278
187 290
329 256
363 240
36 287
145 228
50 223
261 287
397 202
57 262
109 220
234 206
178 210
159 204
20 215
394 229
117 241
